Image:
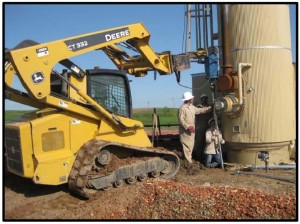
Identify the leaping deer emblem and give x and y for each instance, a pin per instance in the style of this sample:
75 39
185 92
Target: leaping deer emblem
37 77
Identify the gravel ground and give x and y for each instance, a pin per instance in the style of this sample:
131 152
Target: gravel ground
163 199
205 195
194 193
168 200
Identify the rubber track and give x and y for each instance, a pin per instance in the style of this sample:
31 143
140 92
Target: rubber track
83 164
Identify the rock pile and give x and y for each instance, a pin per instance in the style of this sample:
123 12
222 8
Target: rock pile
163 199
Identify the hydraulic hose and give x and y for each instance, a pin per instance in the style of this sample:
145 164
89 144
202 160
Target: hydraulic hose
290 180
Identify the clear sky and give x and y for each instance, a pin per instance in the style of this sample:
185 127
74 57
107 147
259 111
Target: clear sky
165 22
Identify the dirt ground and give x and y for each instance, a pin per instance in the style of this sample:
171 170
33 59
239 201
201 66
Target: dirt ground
195 193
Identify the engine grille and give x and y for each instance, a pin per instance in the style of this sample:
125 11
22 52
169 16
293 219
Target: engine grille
13 150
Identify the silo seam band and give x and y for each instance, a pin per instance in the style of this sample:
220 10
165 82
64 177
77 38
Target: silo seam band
260 47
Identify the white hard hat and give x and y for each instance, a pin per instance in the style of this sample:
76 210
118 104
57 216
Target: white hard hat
187 96
203 95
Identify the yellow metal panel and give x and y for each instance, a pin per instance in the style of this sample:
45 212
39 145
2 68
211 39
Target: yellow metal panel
25 146
134 138
49 124
53 167
82 130
51 141
9 74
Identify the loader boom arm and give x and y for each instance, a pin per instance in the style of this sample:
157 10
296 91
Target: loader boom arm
35 63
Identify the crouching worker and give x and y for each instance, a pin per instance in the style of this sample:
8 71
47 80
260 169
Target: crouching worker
213 140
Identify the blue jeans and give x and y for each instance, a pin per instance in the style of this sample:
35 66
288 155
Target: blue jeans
217 160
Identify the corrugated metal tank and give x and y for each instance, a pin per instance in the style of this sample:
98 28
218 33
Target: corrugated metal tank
260 35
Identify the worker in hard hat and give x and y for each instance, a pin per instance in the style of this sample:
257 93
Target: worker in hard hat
212 149
201 127
186 118
203 101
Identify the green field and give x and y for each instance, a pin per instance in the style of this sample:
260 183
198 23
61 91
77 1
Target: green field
11 115
167 116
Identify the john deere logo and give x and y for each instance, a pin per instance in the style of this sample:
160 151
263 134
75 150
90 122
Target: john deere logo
37 77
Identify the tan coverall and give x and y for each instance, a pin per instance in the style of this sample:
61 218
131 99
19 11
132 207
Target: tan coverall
186 117
201 127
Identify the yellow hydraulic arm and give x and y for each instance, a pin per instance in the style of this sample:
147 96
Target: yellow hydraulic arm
34 63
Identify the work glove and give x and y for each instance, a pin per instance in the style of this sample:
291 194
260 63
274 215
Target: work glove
191 129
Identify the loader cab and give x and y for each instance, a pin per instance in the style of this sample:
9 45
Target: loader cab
110 88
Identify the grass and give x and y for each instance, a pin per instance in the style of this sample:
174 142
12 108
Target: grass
10 115
167 116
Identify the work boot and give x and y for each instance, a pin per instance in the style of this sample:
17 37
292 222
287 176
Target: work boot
214 165
190 161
